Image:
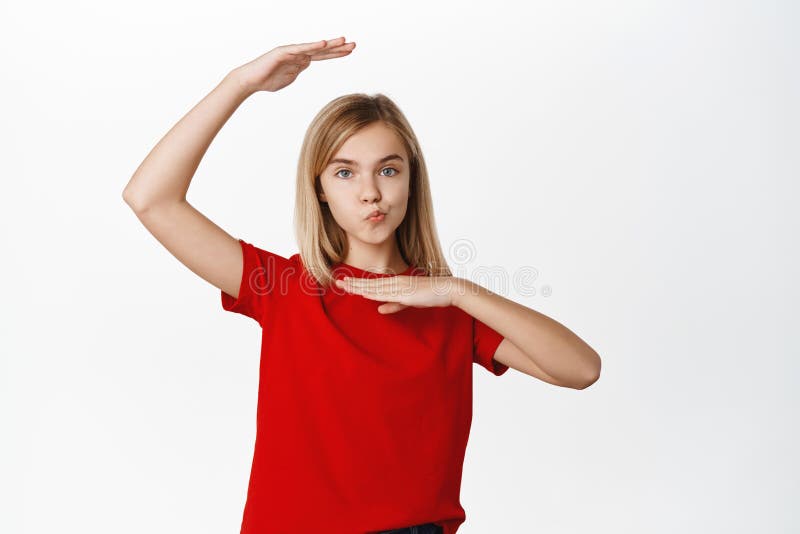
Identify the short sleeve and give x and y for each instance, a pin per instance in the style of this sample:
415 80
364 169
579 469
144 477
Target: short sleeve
485 341
262 277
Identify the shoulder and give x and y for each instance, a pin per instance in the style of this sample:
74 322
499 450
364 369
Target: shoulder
268 263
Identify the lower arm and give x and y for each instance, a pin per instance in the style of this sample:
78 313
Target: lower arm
551 345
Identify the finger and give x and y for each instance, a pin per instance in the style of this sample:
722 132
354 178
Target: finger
388 283
344 49
332 52
356 280
313 47
372 281
341 284
325 57
330 49
361 287
350 288
374 294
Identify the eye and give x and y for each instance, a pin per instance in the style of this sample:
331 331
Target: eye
384 169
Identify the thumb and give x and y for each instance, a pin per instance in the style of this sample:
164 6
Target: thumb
391 307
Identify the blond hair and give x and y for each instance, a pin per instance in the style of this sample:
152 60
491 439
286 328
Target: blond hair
321 241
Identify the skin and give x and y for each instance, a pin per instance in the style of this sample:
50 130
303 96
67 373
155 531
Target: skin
534 344
157 191
352 191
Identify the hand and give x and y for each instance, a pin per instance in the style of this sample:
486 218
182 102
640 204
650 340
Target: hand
401 291
280 66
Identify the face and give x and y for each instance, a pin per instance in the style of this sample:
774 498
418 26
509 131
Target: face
369 172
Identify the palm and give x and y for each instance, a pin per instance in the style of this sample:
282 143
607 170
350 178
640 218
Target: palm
401 291
422 292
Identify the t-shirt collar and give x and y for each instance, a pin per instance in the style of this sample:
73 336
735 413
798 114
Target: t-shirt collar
345 269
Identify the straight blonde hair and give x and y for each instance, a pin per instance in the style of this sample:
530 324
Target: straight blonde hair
321 241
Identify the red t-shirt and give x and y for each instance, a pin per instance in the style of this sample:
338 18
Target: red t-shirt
362 418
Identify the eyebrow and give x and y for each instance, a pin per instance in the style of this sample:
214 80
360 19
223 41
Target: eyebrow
353 163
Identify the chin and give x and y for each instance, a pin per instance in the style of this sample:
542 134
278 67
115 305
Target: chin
373 239
376 236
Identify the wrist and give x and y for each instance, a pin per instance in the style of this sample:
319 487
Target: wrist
458 290
237 82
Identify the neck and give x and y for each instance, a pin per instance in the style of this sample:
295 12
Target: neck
383 258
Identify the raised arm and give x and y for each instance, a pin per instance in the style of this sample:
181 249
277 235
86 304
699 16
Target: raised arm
157 191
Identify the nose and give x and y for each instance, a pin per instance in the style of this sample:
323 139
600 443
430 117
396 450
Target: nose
370 192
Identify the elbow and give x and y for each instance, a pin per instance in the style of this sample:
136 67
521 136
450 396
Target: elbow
141 202
135 201
129 199
134 195
594 375
585 384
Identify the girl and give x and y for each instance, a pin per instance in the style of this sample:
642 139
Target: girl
364 409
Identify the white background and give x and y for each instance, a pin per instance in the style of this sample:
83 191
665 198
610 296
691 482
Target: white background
641 156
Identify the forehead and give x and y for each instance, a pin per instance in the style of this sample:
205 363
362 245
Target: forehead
370 144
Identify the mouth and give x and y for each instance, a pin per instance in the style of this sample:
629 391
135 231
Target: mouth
376 215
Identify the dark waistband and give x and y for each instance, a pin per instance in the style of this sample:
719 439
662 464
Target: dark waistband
426 528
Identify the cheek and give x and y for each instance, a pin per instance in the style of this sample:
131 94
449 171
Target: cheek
400 213
346 216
